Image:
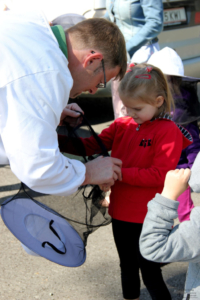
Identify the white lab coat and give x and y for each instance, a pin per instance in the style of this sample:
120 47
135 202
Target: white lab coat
35 83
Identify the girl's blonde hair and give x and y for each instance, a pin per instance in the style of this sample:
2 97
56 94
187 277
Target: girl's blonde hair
147 82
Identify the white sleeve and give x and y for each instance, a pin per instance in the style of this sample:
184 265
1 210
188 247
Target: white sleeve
32 109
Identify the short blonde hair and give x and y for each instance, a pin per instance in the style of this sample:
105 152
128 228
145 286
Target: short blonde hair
104 36
147 82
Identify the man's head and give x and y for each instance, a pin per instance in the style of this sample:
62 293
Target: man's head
89 42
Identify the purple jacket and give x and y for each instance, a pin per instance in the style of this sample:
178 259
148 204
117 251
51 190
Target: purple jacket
187 113
189 154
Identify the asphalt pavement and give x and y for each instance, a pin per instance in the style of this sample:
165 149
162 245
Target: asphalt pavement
25 277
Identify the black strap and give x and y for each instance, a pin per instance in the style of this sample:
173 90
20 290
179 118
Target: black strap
188 297
97 138
80 147
51 245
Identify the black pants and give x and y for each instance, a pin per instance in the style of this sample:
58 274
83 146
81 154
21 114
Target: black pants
126 236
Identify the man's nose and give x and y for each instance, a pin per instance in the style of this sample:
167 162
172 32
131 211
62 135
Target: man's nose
93 90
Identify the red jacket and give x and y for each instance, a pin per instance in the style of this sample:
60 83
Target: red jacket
147 155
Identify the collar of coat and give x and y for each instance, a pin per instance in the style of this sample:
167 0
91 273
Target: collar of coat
59 33
182 129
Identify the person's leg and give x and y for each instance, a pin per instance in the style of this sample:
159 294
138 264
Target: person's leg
185 205
155 47
126 236
153 280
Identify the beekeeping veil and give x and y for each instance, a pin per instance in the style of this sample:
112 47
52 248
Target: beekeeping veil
57 227
184 88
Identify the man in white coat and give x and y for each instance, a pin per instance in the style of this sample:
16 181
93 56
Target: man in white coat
41 67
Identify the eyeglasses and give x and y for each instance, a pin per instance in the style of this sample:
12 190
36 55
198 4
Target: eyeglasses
102 85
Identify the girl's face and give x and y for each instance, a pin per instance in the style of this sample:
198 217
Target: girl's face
139 110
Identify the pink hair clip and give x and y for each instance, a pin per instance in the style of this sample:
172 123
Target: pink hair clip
144 76
132 65
148 69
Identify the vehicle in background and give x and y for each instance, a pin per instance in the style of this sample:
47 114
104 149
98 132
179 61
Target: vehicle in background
182 32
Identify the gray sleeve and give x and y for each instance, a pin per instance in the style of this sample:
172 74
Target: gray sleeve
194 181
161 242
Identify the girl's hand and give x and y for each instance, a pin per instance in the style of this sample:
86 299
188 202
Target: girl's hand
176 182
70 115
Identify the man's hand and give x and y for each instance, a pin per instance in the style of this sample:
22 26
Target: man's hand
176 182
104 187
103 170
70 116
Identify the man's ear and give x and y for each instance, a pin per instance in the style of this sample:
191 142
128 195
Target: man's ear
159 101
91 58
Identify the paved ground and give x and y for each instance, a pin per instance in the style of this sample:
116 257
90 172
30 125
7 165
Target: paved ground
27 278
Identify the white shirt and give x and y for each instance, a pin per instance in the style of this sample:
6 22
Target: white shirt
35 83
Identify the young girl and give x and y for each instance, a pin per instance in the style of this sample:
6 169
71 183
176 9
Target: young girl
149 145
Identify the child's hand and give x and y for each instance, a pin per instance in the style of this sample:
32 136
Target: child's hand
176 182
